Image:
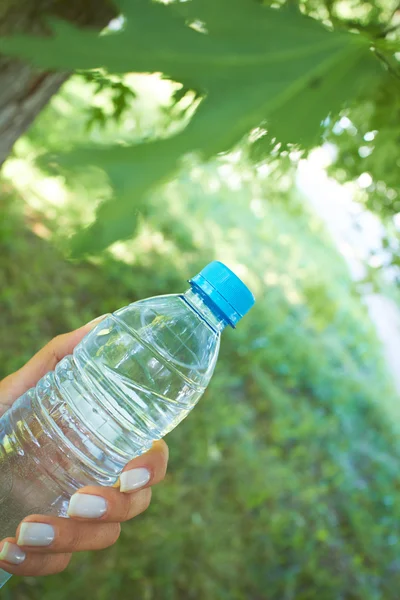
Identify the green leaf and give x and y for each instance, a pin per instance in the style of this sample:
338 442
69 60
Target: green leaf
131 177
254 65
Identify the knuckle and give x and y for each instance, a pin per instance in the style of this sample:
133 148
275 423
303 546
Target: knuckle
56 341
53 346
129 508
59 563
47 564
113 535
75 537
143 500
136 504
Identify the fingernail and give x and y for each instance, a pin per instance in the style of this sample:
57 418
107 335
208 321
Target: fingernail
87 506
98 319
35 534
134 479
12 554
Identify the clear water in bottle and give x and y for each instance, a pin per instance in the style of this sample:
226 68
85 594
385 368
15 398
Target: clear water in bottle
129 382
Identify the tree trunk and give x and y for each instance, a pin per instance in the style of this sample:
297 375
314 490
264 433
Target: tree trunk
24 90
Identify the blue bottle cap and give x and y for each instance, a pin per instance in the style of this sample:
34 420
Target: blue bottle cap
223 292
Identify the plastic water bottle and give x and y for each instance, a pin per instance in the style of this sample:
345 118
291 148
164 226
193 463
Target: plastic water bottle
129 382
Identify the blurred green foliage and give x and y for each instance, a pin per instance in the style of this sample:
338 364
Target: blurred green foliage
368 143
284 482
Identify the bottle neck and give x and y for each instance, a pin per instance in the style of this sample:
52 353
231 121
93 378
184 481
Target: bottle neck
198 305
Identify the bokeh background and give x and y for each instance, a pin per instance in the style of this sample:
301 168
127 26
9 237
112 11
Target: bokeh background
284 481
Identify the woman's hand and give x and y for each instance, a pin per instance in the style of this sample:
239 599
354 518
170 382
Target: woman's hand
44 544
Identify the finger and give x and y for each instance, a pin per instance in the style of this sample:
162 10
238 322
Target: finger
18 562
147 469
108 504
47 534
16 384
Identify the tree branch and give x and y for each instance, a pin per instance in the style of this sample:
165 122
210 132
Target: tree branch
24 90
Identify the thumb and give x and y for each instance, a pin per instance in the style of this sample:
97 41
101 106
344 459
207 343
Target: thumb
16 384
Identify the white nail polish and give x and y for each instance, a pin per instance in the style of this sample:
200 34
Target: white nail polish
12 553
134 479
35 534
87 506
